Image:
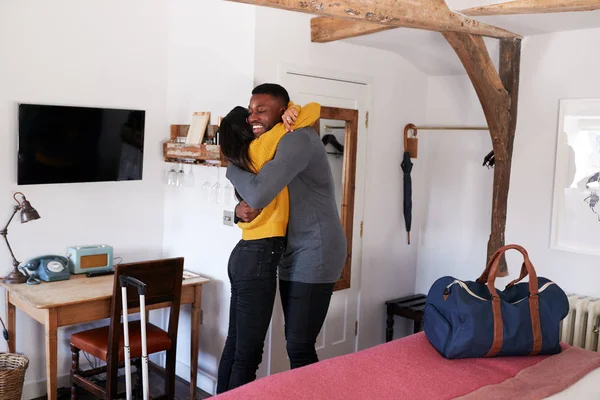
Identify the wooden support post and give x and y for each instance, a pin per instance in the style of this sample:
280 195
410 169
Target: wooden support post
498 94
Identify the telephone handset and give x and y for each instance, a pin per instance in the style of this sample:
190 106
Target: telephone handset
49 268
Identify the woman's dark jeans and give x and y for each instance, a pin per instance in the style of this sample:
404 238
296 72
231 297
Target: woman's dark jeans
253 275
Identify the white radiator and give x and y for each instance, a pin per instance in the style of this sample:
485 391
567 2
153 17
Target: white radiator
580 327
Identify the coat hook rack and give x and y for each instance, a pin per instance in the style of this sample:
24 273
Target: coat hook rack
411 142
449 128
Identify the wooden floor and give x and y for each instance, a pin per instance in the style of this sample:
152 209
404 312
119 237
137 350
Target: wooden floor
182 389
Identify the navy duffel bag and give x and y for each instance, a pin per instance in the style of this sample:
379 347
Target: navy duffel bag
465 319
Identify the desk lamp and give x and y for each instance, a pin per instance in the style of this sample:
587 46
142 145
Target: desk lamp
28 213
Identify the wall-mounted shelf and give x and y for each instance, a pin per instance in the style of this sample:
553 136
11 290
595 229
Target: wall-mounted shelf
205 154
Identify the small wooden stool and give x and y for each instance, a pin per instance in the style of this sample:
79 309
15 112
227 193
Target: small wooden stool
410 307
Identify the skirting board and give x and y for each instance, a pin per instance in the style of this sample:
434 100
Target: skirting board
33 390
206 382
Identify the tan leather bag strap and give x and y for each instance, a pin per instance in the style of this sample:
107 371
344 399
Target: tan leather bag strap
522 275
486 272
496 303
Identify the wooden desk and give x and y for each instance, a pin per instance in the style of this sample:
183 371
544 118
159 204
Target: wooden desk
79 300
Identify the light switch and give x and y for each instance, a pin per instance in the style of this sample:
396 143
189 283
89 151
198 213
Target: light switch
227 218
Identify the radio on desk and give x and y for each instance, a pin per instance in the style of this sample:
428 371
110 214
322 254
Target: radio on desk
84 259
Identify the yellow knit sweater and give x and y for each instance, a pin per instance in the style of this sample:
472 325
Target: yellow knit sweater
273 220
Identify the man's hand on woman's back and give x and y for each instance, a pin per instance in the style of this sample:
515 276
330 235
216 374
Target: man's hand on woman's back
246 213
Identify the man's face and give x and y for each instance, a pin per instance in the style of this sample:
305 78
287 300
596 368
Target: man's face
264 112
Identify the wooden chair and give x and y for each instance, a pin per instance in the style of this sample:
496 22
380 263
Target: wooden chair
163 279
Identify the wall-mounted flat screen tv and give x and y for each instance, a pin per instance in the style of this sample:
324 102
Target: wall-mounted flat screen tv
62 144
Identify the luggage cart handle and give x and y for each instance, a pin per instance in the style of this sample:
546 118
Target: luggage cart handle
128 280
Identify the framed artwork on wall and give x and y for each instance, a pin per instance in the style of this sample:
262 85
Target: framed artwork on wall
576 208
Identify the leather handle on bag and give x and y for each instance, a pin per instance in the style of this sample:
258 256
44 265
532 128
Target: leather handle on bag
522 275
496 302
486 273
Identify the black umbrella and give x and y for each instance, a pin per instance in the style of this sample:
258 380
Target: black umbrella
407 168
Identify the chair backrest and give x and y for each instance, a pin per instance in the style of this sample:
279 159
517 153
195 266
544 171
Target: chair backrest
163 279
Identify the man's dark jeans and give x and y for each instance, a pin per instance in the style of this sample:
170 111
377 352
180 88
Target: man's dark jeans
253 276
305 307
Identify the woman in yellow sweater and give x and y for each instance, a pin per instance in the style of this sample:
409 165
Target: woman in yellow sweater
253 262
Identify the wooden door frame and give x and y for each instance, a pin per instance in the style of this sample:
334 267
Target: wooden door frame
350 117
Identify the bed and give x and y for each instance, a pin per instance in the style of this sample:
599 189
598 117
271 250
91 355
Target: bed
410 368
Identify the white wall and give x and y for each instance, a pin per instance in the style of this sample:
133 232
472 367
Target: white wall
193 227
168 63
211 68
168 58
457 202
241 60
101 54
173 58
397 97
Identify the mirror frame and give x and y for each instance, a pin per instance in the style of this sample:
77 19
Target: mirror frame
348 182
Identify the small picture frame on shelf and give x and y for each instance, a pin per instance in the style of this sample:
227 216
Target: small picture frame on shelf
198 126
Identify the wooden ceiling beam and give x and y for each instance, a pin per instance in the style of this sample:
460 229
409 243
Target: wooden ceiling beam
431 15
327 29
533 7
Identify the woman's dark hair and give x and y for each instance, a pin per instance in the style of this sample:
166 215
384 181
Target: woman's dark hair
235 135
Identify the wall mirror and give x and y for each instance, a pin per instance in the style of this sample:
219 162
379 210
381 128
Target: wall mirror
338 129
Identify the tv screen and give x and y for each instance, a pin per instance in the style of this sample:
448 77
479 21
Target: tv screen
60 144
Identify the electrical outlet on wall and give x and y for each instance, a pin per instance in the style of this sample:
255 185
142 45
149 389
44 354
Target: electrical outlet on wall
227 218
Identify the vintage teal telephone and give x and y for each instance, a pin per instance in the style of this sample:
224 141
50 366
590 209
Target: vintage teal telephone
47 268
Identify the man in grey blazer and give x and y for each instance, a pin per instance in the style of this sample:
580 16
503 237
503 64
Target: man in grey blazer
316 244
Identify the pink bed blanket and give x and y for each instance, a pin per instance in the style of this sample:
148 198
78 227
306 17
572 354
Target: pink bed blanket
410 368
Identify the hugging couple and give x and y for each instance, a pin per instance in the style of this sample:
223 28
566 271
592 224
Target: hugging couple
290 227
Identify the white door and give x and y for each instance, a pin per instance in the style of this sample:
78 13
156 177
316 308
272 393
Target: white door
338 335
